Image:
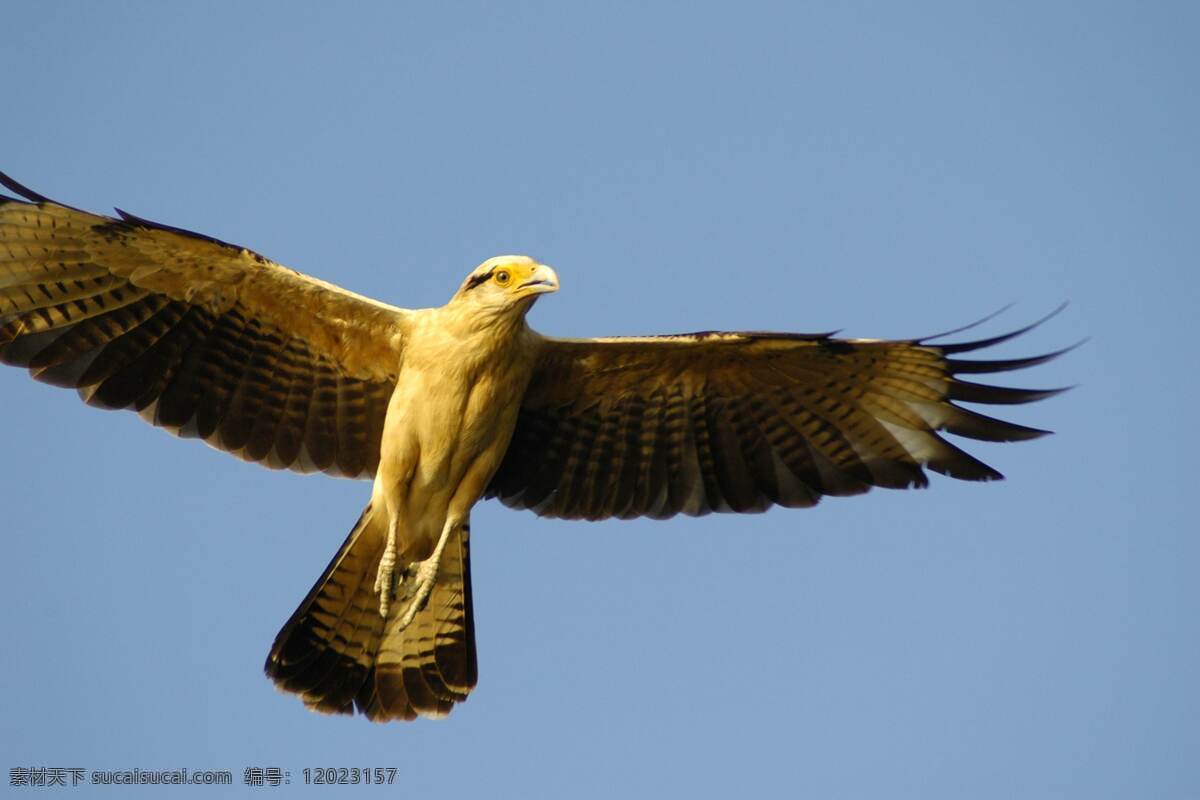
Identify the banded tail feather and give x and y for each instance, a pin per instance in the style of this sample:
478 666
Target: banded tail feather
339 655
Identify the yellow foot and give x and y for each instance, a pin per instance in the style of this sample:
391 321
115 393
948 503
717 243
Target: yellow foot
420 578
385 577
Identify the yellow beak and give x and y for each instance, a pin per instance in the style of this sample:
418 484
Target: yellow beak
543 280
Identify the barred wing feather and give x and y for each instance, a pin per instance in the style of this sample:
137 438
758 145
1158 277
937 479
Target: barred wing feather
737 422
200 337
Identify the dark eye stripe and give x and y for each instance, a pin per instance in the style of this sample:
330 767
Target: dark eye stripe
478 279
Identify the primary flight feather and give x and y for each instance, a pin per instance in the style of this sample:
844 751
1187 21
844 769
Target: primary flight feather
441 407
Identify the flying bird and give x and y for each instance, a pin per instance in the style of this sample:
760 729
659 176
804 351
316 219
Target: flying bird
443 407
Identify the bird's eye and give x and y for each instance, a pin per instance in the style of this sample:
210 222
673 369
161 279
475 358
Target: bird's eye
503 277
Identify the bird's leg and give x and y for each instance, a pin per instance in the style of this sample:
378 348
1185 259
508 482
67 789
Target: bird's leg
387 570
423 574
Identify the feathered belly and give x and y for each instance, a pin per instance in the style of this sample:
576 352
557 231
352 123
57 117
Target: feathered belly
442 441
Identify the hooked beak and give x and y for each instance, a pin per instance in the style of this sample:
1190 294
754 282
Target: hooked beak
541 281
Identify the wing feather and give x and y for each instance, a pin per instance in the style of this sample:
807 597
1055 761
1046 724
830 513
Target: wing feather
200 337
657 426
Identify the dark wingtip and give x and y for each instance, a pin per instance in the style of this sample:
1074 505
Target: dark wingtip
958 366
22 190
969 392
968 326
979 344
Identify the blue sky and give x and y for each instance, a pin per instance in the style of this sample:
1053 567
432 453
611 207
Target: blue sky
885 169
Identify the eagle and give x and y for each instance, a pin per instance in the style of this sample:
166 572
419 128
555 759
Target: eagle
443 407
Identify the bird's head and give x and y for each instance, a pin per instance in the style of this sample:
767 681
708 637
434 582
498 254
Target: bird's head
506 284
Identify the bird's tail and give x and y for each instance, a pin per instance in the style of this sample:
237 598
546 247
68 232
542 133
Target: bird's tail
339 654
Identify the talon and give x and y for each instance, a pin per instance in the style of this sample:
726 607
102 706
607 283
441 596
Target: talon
423 580
383 578
417 578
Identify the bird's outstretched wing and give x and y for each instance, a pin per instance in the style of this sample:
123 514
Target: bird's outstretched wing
658 426
200 337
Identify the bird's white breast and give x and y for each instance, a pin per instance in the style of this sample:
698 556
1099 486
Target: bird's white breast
447 427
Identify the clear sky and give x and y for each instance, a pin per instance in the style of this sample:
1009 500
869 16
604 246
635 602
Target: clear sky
885 169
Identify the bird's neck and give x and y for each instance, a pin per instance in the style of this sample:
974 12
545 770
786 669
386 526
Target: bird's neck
497 326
